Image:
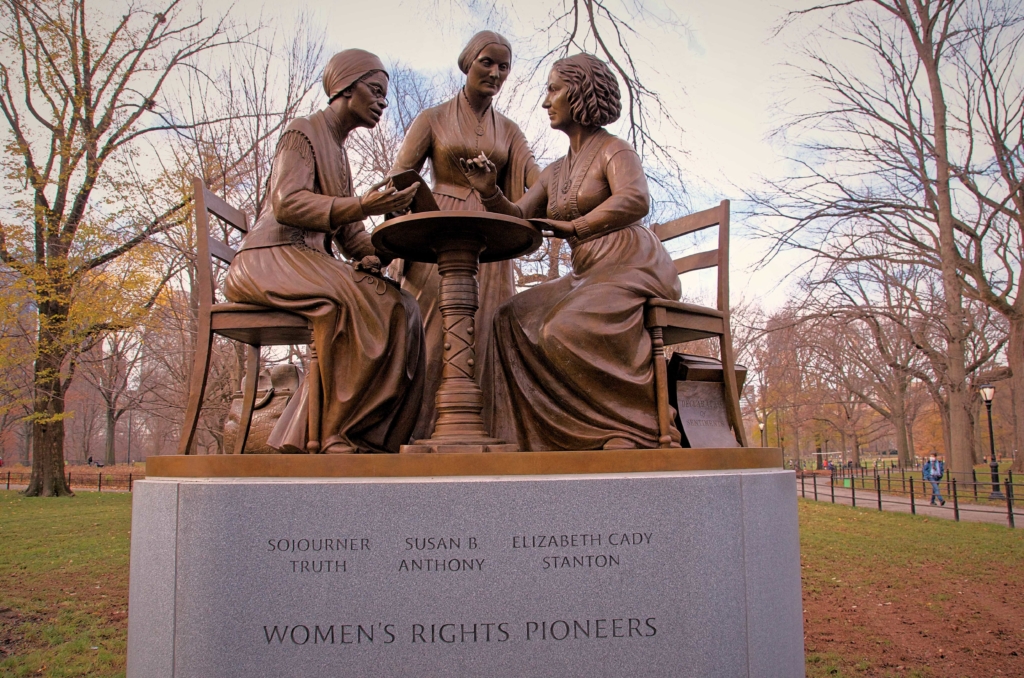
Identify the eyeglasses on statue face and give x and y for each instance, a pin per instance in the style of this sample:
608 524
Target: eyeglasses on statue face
377 91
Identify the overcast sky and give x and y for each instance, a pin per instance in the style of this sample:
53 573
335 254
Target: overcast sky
718 69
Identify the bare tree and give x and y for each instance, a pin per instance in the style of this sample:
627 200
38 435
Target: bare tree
785 372
990 169
112 368
229 113
608 29
78 88
165 367
868 359
83 427
879 162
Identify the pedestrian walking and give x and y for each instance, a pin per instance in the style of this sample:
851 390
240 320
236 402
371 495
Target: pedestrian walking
933 471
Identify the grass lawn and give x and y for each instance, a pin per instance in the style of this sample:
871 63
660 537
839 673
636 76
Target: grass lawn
885 594
64 585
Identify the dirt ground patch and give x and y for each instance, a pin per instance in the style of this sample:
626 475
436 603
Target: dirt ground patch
12 636
896 595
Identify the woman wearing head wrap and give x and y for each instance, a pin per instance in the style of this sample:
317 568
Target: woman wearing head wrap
576 370
367 332
461 128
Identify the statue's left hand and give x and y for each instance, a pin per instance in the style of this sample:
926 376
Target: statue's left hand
383 198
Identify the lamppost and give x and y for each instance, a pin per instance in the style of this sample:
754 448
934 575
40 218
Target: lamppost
987 392
762 419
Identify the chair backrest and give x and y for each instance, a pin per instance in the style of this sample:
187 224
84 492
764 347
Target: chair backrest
698 221
209 248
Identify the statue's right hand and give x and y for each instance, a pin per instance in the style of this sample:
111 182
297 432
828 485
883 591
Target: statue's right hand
481 173
383 198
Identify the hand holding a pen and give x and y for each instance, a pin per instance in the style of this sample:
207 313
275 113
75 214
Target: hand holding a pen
482 175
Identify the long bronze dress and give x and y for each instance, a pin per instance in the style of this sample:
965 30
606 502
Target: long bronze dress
576 368
444 134
367 332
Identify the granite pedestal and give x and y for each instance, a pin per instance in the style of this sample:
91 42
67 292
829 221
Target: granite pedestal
678 573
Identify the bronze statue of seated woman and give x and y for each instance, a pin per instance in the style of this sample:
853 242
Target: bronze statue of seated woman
576 369
368 332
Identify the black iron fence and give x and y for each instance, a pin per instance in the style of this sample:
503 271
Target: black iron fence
95 482
895 488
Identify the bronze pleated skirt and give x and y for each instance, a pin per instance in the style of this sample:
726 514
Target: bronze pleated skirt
369 340
576 360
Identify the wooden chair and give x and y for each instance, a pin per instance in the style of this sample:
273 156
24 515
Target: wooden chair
250 324
676 322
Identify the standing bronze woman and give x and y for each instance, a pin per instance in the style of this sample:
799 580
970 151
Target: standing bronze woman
367 332
576 370
461 128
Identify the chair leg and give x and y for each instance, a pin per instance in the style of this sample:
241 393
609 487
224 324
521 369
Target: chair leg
313 444
661 386
732 395
196 385
251 381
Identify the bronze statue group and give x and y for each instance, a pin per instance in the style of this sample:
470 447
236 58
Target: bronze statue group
564 365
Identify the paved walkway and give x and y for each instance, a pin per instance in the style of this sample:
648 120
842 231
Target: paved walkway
868 498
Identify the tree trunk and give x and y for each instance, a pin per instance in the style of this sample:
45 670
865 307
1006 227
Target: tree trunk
911 449
796 443
110 431
28 433
898 418
902 442
944 417
855 453
1015 361
956 362
48 478
979 449
960 456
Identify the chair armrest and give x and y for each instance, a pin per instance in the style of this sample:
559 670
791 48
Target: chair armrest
232 307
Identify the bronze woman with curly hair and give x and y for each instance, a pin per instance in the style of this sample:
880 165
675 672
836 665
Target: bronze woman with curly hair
576 370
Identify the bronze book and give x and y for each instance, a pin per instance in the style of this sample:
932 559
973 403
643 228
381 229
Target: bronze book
423 201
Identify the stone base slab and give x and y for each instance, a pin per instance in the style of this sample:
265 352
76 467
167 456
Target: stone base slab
460 464
682 573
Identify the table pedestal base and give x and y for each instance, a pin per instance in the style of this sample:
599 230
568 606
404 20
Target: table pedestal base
460 447
456 241
460 426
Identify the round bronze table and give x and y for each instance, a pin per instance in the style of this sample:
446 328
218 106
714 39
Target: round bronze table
458 242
